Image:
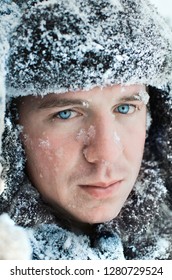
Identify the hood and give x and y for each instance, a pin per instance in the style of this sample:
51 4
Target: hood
59 46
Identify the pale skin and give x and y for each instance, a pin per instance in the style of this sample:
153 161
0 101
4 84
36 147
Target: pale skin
84 149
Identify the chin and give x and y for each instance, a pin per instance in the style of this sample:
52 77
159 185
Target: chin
98 218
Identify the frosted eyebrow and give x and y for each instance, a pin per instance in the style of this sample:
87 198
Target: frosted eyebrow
52 103
134 97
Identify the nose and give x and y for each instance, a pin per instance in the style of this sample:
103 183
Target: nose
105 145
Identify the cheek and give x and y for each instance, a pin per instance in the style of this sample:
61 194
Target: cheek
134 144
49 155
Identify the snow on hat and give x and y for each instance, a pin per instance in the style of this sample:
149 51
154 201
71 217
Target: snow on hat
8 19
67 45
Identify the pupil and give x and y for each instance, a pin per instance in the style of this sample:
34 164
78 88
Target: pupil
124 109
65 114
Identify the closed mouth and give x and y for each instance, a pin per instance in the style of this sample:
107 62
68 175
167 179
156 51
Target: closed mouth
102 190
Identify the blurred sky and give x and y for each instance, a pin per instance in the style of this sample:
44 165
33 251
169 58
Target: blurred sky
164 7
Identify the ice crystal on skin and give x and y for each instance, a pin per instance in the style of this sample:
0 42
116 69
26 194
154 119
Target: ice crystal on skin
117 138
85 104
82 136
44 143
143 96
86 136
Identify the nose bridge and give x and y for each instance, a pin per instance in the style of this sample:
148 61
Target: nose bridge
106 145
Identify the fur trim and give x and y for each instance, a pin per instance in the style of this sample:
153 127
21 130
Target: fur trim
14 241
8 20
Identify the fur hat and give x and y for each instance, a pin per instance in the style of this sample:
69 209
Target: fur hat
68 45
9 15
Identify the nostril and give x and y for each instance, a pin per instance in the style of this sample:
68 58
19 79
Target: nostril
85 153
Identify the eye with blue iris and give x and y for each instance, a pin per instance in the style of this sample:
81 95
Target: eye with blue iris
66 114
125 109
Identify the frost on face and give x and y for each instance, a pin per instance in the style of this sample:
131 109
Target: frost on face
44 143
143 96
85 104
117 138
85 136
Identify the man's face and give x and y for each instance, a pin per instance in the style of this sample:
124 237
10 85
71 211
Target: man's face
84 149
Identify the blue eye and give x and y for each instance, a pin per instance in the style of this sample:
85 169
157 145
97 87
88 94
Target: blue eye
66 114
126 109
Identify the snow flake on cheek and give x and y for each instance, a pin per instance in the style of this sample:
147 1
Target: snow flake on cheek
44 143
84 136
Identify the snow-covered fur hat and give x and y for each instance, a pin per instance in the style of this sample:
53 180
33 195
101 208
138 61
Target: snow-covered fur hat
68 45
8 20
75 44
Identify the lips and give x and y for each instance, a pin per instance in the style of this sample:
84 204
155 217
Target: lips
102 190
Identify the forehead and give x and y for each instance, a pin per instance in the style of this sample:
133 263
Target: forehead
116 93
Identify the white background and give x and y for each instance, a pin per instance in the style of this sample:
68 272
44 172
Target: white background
165 8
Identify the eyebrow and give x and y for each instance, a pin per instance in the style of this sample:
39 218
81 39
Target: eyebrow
46 104
55 102
134 97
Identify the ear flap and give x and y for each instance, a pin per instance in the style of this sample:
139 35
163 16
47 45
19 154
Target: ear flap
3 50
9 18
